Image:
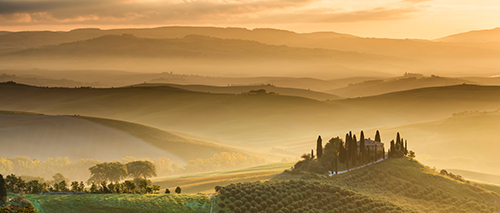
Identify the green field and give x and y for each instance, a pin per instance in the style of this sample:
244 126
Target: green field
120 203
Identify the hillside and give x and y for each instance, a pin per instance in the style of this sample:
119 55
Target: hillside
476 36
394 185
477 176
78 137
382 86
462 142
205 182
238 90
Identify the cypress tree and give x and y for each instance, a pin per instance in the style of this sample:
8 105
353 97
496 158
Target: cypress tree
3 191
354 151
398 141
391 151
377 137
362 147
383 153
406 147
312 154
347 148
319 147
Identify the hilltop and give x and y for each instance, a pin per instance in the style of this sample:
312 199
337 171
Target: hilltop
398 185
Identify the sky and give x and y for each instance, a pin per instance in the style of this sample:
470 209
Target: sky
424 19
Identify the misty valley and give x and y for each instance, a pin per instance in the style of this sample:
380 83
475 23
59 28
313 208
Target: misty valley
212 119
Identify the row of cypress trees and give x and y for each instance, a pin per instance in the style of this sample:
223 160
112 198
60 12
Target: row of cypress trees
352 155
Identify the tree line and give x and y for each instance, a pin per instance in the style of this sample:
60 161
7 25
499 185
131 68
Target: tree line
349 153
78 170
105 178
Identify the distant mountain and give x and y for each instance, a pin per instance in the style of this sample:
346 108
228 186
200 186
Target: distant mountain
33 39
323 54
38 81
381 86
239 90
192 46
78 137
476 36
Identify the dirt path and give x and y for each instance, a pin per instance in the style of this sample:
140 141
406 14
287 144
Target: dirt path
332 173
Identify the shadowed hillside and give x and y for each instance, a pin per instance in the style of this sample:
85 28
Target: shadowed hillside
76 137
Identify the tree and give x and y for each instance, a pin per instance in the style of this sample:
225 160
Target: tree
406 147
130 186
112 172
319 147
178 190
144 169
58 177
3 191
362 147
156 188
411 155
377 137
167 191
354 151
93 188
143 185
75 187
312 154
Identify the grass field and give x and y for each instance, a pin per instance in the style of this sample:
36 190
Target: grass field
120 203
205 182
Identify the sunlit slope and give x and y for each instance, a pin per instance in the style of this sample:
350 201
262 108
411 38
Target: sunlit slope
465 142
42 136
382 86
394 185
239 90
206 182
409 183
477 176
477 36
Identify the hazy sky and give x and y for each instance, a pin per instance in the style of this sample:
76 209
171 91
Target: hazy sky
370 18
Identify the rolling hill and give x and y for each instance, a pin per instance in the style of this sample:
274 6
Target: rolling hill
393 185
476 36
382 86
78 137
260 123
238 90
464 141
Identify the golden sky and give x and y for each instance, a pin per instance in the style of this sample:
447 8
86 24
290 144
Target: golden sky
426 19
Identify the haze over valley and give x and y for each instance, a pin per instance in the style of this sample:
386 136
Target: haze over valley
274 119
